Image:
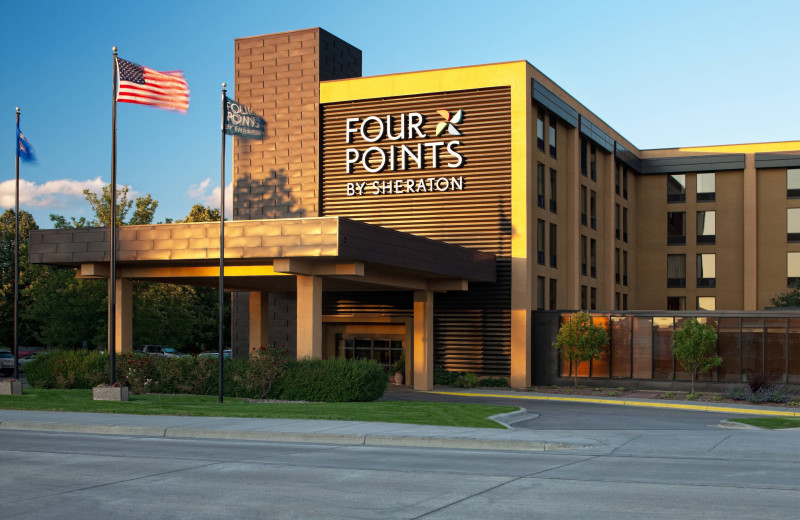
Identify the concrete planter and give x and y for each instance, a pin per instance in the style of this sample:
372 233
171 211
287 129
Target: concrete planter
110 393
10 388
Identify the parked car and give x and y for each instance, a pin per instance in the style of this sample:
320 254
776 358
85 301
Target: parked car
26 359
161 350
226 354
6 363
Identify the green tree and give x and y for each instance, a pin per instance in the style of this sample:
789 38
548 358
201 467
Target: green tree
7 239
201 213
790 298
144 209
694 345
579 340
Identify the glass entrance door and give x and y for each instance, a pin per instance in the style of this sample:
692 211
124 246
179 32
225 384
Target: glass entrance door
386 349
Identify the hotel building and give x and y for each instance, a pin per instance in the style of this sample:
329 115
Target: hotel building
453 214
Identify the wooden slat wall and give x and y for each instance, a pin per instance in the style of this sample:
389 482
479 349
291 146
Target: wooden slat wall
471 330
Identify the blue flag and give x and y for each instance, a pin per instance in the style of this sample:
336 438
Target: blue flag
241 121
24 150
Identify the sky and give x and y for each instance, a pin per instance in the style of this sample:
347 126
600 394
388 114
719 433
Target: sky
662 74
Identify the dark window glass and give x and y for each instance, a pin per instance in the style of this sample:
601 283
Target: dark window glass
616 265
540 241
624 268
553 153
593 298
706 270
584 159
676 228
593 209
676 303
553 245
540 293
624 224
676 188
584 299
625 182
616 221
553 190
706 227
583 257
593 164
540 185
706 186
617 301
553 294
676 270
617 175
540 129
624 302
584 203
593 257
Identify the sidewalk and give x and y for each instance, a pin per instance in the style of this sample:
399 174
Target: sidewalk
356 433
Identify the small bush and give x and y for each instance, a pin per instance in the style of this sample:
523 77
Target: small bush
444 377
668 395
756 380
612 394
331 380
493 382
468 380
67 369
693 396
268 364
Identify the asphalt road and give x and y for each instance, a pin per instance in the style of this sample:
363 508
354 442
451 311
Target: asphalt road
67 476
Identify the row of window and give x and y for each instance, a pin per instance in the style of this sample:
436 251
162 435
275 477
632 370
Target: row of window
706 227
540 242
706 270
541 283
552 141
588 159
704 303
706 187
540 187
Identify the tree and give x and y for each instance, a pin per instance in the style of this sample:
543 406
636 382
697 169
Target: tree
790 298
143 212
579 340
694 345
7 238
202 213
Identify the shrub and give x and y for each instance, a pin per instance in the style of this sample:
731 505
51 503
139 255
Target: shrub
444 377
579 340
331 380
756 380
468 380
494 382
138 372
267 364
67 369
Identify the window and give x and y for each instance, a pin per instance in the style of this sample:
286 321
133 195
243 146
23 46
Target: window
616 301
676 188
553 137
584 299
540 293
616 221
706 227
624 182
706 186
617 176
706 270
540 241
593 163
706 303
540 129
676 228
583 206
584 160
624 224
793 225
540 185
593 257
616 265
624 302
553 294
593 303
553 245
676 303
793 183
553 192
583 256
624 268
676 270
593 209
792 268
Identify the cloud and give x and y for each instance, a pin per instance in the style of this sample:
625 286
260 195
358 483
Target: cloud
60 193
200 193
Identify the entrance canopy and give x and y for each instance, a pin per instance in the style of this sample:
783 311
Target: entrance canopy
262 255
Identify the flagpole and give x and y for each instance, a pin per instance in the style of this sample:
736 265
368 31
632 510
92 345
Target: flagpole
16 261
112 280
222 251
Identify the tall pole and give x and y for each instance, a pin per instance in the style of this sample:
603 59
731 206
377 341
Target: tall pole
222 250
112 280
16 264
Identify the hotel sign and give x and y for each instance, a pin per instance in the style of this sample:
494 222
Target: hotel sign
394 143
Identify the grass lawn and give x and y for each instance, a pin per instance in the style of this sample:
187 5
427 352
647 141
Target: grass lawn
773 423
412 412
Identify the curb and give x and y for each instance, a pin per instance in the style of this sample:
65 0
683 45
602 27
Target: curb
507 419
673 406
314 438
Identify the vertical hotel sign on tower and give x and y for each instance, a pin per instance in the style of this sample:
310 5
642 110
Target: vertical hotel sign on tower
392 144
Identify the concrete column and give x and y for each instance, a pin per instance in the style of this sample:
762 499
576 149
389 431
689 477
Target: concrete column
750 234
309 316
124 316
423 340
259 319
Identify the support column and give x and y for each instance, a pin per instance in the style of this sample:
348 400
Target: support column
750 234
309 317
259 319
124 316
423 340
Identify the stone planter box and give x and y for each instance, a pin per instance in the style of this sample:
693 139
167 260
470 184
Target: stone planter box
10 388
110 393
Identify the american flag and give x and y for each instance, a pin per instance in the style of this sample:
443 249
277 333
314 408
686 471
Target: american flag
145 86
